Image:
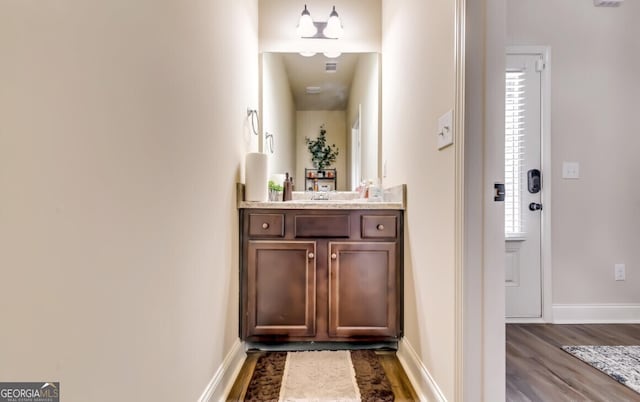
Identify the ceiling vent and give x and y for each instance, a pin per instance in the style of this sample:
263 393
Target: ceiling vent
607 3
312 90
330 67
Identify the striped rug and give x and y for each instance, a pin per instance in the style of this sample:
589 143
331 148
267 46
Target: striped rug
344 376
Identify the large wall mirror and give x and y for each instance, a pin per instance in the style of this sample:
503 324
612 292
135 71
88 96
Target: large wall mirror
299 94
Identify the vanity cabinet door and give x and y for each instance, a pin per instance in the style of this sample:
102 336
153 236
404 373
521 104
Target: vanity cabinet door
363 289
281 288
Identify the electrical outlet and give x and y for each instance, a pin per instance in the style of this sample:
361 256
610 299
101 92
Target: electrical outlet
619 272
570 170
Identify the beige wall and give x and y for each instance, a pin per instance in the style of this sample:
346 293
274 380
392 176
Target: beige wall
122 135
308 125
594 80
418 87
360 19
365 92
278 113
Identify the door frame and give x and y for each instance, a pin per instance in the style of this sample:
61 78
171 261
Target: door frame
545 158
479 122
356 151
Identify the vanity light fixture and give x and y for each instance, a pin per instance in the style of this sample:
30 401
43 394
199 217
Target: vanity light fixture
306 27
310 29
334 26
328 55
332 55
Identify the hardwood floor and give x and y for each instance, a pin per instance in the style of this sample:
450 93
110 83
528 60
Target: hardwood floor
402 389
538 370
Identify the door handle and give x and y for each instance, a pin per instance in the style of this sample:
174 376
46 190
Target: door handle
499 192
534 206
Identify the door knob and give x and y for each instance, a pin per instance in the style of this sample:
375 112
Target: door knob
311 256
534 206
333 256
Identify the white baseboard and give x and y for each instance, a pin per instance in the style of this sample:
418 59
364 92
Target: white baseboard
536 320
420 378
596 313
223 379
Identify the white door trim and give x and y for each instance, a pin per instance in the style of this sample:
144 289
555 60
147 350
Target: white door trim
545 228
483 328
356 151
459 204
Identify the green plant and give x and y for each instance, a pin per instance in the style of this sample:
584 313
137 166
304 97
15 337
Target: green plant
322 155
275 187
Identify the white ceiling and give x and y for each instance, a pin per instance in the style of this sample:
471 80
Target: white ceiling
310 71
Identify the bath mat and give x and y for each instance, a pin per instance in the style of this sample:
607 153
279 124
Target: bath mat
343 376
622 363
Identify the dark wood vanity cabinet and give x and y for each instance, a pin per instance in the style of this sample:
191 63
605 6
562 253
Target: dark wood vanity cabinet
320 275
363 289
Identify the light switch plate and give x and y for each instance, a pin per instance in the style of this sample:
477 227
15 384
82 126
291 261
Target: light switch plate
570 170
445 130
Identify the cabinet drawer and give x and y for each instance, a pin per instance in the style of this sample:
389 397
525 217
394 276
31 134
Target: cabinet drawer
322 226
379 226
269 225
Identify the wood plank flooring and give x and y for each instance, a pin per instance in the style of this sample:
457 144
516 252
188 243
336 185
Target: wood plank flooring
538 370
402 389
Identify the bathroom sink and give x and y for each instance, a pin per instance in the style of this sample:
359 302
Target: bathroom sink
318 200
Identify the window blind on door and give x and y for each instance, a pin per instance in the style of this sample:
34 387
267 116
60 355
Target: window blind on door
514 152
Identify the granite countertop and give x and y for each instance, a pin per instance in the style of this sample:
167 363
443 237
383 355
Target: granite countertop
393 199
320 204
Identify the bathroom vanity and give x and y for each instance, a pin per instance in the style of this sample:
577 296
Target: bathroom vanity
321 271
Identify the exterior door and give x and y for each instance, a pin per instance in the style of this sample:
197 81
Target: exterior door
524 184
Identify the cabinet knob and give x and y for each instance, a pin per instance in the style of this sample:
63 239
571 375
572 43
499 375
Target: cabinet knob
333 256
380 227
311 255
265 225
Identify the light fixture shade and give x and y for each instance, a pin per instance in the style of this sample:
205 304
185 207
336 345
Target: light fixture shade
332 54
334 26
306 27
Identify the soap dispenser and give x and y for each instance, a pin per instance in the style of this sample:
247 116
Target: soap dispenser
288 187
